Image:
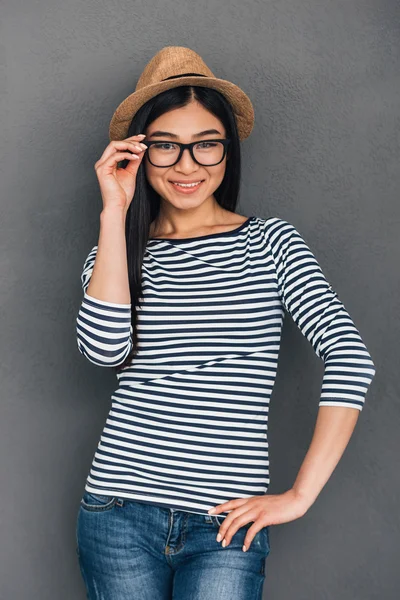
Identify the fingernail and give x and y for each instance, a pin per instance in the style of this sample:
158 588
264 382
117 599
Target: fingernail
244 548
219 537
223 543
142 135
211 511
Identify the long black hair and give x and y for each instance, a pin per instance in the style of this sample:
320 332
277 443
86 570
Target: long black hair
145 205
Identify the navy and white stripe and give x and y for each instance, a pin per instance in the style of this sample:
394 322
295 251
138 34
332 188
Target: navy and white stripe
188 422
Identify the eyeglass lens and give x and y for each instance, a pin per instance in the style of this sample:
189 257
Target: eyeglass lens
164 154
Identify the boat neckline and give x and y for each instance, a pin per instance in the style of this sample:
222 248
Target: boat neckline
203 237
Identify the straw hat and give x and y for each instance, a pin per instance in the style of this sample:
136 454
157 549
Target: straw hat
171 67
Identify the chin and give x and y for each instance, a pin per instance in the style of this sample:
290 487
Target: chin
185 203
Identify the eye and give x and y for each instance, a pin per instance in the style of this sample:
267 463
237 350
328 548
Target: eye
164 146
205 145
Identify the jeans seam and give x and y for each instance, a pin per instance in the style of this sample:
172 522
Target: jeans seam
98 507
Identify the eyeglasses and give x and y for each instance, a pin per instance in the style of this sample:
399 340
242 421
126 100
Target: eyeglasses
206 153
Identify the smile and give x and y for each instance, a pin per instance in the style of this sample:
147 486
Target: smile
187 187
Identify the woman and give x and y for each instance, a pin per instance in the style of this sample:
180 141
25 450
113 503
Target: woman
186 299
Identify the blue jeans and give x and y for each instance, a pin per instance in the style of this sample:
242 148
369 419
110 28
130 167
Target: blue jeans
132 550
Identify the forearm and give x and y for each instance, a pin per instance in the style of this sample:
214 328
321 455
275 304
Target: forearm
333 429
103 325
109 281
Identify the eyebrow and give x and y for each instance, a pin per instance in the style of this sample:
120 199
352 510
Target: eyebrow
174 136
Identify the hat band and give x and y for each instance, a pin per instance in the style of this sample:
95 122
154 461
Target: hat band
184 75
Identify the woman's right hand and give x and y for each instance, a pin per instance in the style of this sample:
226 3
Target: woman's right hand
118 185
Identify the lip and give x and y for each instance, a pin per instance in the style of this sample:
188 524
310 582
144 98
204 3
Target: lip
185 180
182 190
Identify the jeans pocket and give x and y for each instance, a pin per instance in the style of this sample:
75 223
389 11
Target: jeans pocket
215 520
96 502
265 532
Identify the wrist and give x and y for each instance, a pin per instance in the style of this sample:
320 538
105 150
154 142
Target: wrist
113 212
303 501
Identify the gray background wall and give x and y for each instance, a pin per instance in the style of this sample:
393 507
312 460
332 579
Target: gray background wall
324 154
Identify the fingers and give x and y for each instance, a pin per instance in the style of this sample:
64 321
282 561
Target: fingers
131 146
232 524
251 534
115 158
226 506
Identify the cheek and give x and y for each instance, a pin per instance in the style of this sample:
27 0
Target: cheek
148 168
219 174
153 176
216 174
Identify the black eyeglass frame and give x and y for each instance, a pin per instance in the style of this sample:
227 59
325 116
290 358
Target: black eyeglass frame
182 147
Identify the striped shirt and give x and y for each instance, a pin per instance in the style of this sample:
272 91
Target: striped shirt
188 422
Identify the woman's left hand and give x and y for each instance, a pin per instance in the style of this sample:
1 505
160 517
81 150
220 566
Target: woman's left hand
269 509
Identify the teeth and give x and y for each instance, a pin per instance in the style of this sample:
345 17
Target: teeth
187 184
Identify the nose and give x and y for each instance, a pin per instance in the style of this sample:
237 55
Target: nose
186 161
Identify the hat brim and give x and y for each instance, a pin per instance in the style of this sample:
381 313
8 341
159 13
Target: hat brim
241 103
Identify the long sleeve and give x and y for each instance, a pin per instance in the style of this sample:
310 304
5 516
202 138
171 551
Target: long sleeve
104 329
322 318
